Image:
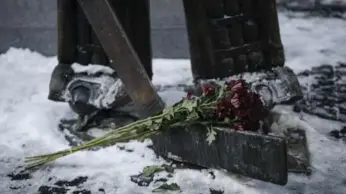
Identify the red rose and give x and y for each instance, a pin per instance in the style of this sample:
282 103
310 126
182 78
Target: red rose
208 89
189 95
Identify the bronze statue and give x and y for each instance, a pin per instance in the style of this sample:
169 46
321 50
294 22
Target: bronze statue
238 38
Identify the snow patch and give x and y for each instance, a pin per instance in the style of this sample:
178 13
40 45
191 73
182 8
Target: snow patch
91 69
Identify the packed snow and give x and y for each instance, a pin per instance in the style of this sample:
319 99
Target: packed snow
312 3
28 125
91 69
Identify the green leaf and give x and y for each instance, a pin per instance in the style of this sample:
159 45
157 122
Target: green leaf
169 116
211 135
230 121
158 121
189 104
149 123
167 187
138 130
168 168
155 127
151 170
227 120
168 113
222 90
157 124
192 116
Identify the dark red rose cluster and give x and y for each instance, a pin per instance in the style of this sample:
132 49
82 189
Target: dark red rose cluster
238 102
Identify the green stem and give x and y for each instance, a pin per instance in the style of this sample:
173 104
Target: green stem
136 130
96 141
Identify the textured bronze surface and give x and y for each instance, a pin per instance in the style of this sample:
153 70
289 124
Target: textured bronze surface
245 31
123 57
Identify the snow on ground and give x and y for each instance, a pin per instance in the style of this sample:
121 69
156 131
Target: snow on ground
312 41
313 2
28 125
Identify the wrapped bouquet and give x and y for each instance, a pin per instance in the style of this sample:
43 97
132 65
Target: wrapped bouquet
230 104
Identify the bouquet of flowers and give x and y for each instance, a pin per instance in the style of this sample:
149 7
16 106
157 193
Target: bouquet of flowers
229 104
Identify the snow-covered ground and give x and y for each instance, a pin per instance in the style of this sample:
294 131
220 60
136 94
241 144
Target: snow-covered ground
28 125
313 3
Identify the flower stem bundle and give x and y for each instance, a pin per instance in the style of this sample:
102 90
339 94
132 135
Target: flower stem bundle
229 104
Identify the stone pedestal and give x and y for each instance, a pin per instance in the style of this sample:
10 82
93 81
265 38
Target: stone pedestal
250 154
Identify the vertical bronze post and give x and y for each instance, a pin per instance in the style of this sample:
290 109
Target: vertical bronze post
224 64
83 38
140 36
200 43
66 31
271 33
98 56
251 34
232 8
